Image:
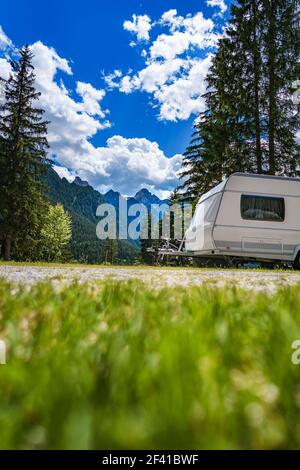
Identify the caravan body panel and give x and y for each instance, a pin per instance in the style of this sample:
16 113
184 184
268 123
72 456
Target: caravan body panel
199 236
257 217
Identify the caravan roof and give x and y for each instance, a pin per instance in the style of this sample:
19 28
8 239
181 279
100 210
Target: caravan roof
217 189
263 184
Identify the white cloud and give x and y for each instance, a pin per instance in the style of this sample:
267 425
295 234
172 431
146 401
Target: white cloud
183 98
64 173
144 161
4 40
176 64
110 78
72 122
90 99
140 25
126 165
186 33
218 3
153 76
5 68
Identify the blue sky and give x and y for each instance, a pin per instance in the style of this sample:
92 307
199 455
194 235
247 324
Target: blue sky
121 91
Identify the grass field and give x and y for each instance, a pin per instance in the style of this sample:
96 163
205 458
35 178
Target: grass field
118 365
75 265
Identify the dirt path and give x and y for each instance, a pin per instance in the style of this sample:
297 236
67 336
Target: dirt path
155 277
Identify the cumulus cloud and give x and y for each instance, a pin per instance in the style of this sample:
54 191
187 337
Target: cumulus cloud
111 77
126 165
218 3
185 33
183 98
5 68
176 64
140 25
73 121
123 164
64 173
144 162
91 98
5 42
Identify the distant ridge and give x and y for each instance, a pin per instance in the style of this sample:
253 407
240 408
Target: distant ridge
145 197
81 201
80 182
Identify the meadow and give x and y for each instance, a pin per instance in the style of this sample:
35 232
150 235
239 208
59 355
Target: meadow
120 365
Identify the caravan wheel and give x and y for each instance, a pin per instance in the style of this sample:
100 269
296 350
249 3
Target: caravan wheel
296 264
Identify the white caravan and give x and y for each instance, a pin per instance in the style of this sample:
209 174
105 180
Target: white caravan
248 216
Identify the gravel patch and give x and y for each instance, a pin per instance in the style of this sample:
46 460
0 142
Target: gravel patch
154 277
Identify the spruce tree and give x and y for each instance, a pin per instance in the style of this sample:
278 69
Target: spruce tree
146 240
225 135
281 67
250 122
22 156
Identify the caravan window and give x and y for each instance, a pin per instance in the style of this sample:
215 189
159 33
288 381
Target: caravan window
262 208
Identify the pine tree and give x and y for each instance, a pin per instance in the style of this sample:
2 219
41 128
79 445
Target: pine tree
146 241
245 37
226 129
250 122
22 155
110 250
281 67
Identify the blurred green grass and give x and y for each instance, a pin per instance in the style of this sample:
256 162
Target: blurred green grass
119 365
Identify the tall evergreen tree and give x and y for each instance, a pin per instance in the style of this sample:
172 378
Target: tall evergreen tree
245 43
22 155
281 67
250 121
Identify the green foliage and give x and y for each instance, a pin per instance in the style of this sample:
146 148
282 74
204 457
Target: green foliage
81 203
22 157
27 242
251 121
76 199
147 241
120 365
56 233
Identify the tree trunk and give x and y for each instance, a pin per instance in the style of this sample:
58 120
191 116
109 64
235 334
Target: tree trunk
256 66
7 248
272 86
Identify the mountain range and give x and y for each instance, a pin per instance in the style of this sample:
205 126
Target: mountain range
143 196
81 201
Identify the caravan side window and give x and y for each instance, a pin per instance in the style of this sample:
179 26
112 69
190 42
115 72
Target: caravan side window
262 208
